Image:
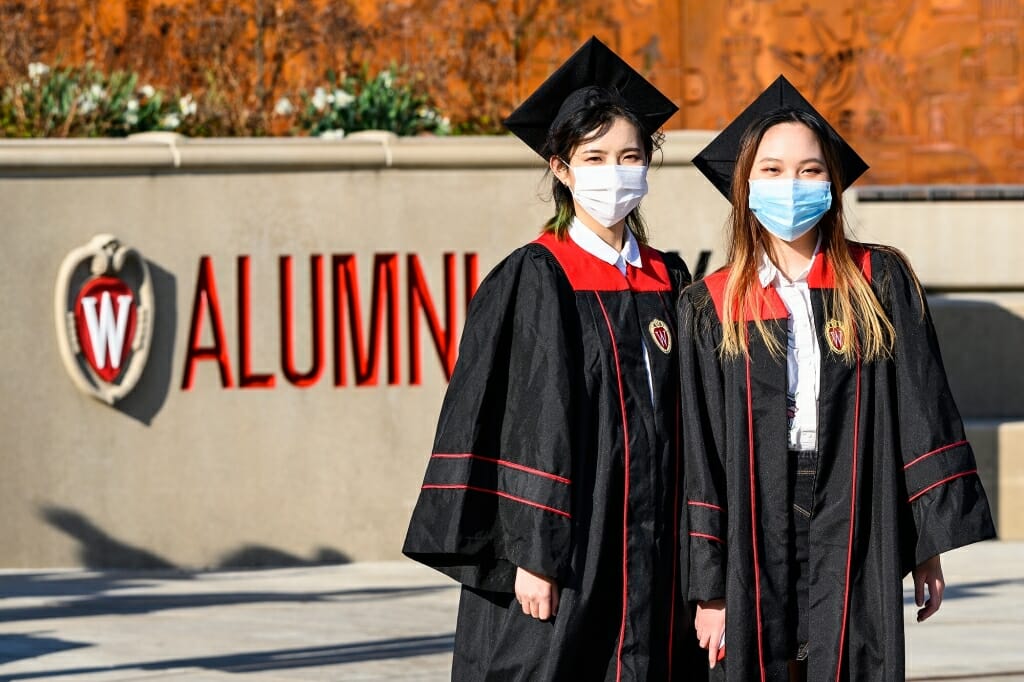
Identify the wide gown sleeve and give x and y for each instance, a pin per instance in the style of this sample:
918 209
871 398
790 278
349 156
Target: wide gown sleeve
497 490
703 410
948 504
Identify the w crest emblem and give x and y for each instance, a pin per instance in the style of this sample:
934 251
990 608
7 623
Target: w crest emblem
103 311
836 335
660 334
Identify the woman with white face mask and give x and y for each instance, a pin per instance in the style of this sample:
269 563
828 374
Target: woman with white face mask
825 456
554 490
605 174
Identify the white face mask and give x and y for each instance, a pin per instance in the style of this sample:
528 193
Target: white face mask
608 193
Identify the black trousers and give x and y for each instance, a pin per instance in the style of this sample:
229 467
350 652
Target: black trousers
803 470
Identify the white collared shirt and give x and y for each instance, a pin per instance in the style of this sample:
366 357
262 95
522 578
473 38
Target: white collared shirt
586 239
595 246
803 354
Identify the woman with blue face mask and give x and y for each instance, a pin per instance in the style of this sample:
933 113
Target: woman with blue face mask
554 487
825 457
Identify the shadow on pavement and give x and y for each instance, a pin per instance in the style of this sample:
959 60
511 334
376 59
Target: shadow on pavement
280 659
17 646
966 590
112 604
74 583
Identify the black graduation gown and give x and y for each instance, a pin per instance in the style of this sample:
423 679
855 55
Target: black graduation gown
550 455
896 482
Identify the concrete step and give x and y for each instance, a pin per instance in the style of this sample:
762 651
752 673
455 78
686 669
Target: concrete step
953 244
999 449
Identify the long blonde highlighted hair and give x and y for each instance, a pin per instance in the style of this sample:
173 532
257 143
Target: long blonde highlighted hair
852 302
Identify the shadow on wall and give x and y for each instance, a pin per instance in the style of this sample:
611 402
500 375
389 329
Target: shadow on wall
981 344
98 550
258 556
150 394
980 339
697 268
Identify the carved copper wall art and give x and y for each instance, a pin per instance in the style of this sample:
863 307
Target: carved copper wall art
928 91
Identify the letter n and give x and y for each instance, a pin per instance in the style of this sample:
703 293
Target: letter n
419 298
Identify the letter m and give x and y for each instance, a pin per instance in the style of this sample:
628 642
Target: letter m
383 304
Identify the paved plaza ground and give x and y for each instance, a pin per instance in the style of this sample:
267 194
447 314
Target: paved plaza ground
383 621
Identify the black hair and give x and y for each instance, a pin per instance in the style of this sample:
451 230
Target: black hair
599 111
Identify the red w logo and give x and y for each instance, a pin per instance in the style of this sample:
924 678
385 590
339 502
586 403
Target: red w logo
661 336
105 321
659 332
104 325
835 337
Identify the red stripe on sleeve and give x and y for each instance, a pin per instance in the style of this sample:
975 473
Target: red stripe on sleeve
942 482
504 463
462 486
935 452
694 503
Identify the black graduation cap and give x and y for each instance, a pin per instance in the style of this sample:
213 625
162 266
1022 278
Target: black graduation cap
593 66
717 160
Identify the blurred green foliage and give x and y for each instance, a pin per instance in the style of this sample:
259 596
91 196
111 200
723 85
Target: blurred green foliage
84 102
388 101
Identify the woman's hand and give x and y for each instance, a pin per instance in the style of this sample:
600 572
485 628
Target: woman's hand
710 623
929 573
537 594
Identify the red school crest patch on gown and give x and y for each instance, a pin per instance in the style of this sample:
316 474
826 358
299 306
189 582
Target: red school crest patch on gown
660 334
835 334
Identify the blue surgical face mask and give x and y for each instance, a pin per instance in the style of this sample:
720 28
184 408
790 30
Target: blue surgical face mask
789 208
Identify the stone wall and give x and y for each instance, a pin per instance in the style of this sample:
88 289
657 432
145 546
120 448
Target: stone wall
205 465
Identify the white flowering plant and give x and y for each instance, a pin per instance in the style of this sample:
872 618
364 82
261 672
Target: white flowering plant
84 102
388 101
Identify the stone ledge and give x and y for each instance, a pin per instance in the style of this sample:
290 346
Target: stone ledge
168 152
999 449
870 193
